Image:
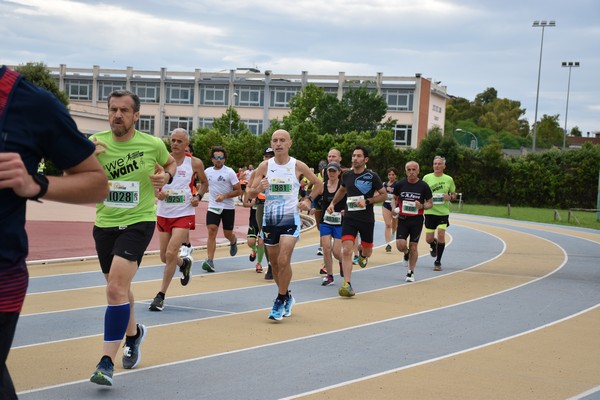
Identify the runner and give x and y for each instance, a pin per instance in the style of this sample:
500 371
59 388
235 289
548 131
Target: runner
438 217
363 188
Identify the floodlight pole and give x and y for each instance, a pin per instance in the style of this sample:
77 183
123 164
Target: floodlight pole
570 65
539 24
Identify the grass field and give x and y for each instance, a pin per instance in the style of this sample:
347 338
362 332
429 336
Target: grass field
586 219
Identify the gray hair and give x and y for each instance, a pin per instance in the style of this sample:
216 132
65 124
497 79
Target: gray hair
181 130
440 158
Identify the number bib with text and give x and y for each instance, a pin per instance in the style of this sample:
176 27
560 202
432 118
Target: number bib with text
351 203
409 207
438 198
123 194
175 197
335 218
281 186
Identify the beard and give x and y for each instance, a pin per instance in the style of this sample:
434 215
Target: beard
120 129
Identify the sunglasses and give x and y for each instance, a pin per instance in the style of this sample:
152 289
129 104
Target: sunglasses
218 157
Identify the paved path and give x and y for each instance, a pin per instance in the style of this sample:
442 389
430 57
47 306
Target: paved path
514 315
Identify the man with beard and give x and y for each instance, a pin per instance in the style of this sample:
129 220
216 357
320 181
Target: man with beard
137 165
363 188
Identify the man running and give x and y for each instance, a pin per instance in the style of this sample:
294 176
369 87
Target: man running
438 217
363 188
176 214
412 197
281 222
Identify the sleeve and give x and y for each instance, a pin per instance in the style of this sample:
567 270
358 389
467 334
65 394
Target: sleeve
163 154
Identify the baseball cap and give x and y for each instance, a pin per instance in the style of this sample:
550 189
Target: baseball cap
269 150
334 165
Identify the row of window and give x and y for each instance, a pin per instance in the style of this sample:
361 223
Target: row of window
218 95
146 123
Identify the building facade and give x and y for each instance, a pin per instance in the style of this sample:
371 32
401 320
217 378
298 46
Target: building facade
191 100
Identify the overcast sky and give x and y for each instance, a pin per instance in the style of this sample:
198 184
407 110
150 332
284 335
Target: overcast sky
469 45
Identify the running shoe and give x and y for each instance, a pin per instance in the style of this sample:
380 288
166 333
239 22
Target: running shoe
233 248
208 266
104 372
186 270
327 281
433 246
407 255
410 276
185 250
288 304
355 260
388 248
158 303
269 274
346 290
132 355
259 268
437 265
323 270
277 310
320 251
252 256
362 261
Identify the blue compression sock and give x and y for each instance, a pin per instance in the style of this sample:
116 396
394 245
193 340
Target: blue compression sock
116 319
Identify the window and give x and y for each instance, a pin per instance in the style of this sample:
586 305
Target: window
177 122
399 99
250 96
147 92
145 124
107 87
180 93
206 123
213 95
281 96
255 125
402 135
79 90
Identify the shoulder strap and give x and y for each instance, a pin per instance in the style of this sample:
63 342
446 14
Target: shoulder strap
8 83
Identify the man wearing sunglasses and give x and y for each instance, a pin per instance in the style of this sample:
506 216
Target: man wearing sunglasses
223 187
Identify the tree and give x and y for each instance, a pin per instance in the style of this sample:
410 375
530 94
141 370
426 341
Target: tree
313 110
39 74
549 133
575 131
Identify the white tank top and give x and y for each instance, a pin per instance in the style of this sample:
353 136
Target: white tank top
180 193
281 202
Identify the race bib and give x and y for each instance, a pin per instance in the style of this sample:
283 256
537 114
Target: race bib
409 207
438 198
123 194
390 196
335 218
281 186
215 210
351 203
174 197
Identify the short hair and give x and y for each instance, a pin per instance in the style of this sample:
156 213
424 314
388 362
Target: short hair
217 149
123 93
440 158
364 150
181 130
392 169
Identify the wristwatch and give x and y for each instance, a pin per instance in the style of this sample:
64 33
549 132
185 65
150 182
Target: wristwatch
367 202
43 182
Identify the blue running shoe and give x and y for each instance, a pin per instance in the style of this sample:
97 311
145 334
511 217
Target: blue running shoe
288 304
104 372
277 310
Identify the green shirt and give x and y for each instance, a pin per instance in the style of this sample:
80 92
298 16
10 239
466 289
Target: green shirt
441 185
128 166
